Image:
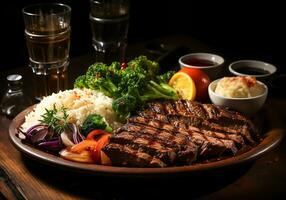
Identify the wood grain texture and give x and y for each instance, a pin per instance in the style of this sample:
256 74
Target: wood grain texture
11 161
9 189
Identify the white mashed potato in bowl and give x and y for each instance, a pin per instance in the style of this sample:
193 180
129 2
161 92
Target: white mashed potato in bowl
79 103
239 87
243 94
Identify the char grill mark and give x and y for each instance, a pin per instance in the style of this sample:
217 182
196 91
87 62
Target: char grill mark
122 155
209 112
237 139
147 145
153 115
241 132
211 129
216 145
196 109
165 138
218 115
180 108
156 107
169 147
228 118
171 107
167 135
196 136
213 117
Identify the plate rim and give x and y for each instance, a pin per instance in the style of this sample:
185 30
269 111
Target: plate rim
271 140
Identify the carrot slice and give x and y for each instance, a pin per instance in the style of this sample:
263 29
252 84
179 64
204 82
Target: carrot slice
101 143
84 145
93 135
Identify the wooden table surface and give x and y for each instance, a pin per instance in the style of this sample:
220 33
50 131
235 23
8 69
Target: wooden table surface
25 178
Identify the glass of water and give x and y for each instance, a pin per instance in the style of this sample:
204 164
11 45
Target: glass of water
47 31
109 24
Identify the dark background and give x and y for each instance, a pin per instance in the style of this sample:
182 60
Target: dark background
239 29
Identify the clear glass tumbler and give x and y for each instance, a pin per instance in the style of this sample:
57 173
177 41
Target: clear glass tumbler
109 24
47 31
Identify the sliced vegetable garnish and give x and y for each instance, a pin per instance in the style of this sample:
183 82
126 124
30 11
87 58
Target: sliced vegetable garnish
95 134
84 145
101 143
76 135
54 144
32 130
66 138
83 156
93 145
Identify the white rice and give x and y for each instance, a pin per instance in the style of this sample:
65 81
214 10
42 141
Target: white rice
79 103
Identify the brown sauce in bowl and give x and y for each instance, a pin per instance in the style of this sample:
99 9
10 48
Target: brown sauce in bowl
251 71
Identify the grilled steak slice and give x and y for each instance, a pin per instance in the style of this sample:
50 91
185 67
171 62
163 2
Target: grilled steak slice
183 138
186 126
208 112
179 141
146 144
204 111
198 115
123 155
241 135
169 147
199 138
178 133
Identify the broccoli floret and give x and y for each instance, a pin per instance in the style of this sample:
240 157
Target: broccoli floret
115 72
150 68
158 91
92 122
100 77
93 73
106 86
115 67
124 106
97 70
80 82
131 79
164 78
165 89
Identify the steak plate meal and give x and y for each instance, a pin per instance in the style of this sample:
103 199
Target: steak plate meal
130 115
182 132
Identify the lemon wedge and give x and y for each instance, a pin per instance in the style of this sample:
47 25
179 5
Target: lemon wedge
184 85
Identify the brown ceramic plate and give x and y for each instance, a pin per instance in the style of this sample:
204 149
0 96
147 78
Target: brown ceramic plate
271 140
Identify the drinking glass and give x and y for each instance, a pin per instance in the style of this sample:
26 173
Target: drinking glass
47 31
109 24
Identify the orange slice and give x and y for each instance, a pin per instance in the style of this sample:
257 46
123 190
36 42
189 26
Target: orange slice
184 85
